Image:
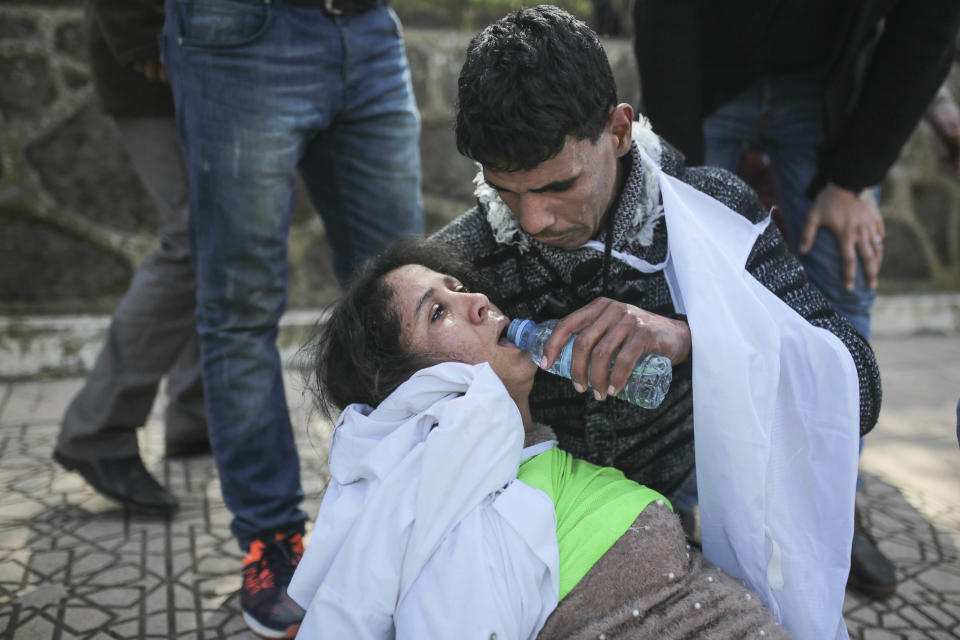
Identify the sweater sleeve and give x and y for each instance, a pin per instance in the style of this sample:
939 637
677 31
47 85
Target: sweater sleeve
908 64
129 27
774 266
667 44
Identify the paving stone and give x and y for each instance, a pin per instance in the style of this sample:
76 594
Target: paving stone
882 634
940 617
219 564
901 552
218 587
121 598
911 591
941 579
128 629
952 609
51 563
67 483
35 626
32 402
23 509
117 575
85 618
892 620
13 537
31 483
863 615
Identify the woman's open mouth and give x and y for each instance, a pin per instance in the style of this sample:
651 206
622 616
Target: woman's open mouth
502 336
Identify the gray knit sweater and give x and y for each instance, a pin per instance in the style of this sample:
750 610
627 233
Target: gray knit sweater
526 278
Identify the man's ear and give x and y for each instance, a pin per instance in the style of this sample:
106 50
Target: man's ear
620 125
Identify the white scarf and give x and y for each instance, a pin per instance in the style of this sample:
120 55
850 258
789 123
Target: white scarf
776 421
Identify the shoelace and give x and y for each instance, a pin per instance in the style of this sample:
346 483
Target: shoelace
278 560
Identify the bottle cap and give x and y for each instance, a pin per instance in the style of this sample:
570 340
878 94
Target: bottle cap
520 332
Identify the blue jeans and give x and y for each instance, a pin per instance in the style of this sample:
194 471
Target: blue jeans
261 89
783 116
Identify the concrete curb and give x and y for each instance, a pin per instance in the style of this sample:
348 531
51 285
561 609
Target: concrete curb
67 345
906 315
57 346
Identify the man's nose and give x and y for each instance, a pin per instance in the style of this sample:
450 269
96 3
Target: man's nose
534 214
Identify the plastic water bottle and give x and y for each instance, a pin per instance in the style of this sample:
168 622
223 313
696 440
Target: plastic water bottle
646 386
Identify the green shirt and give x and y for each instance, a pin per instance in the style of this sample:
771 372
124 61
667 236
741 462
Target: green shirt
595 506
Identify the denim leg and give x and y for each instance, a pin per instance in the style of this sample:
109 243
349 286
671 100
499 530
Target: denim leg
245 77
794 131
363 171
152 331
730 127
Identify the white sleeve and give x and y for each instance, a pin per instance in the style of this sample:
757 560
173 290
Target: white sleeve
484 579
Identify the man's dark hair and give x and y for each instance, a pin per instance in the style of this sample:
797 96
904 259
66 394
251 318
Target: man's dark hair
531 79
357 354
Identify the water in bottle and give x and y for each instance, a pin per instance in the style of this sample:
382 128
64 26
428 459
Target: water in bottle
646 386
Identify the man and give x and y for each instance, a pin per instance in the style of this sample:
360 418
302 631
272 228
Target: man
261 90
153 332
559 168
569 213
831 92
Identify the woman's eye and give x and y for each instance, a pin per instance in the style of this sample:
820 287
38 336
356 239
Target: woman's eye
437 313
462 288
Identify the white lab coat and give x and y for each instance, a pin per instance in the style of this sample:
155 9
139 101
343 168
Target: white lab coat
424 530
775 413
776 421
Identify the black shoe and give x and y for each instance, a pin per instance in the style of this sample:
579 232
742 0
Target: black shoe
187 448
267 569
871 572
125 480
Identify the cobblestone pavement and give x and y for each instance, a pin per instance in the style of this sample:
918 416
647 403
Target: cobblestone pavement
73 565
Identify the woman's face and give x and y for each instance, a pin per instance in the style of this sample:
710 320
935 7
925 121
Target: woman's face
440 318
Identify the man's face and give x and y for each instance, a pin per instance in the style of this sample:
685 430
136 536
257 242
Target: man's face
563 201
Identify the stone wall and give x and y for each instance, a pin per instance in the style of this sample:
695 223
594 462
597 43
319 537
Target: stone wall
76 221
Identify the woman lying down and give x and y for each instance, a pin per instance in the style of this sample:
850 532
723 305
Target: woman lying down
450 513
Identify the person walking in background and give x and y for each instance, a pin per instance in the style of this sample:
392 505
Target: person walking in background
262 89
152 332
832 118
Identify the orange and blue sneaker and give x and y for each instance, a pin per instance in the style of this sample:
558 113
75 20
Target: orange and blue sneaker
267 569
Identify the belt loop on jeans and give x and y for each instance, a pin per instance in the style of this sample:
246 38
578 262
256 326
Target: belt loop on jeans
332 10
350 7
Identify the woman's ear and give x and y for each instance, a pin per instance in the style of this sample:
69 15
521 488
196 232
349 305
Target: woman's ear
620 125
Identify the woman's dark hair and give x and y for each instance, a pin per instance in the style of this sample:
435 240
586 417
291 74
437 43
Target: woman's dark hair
529 80
357 353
